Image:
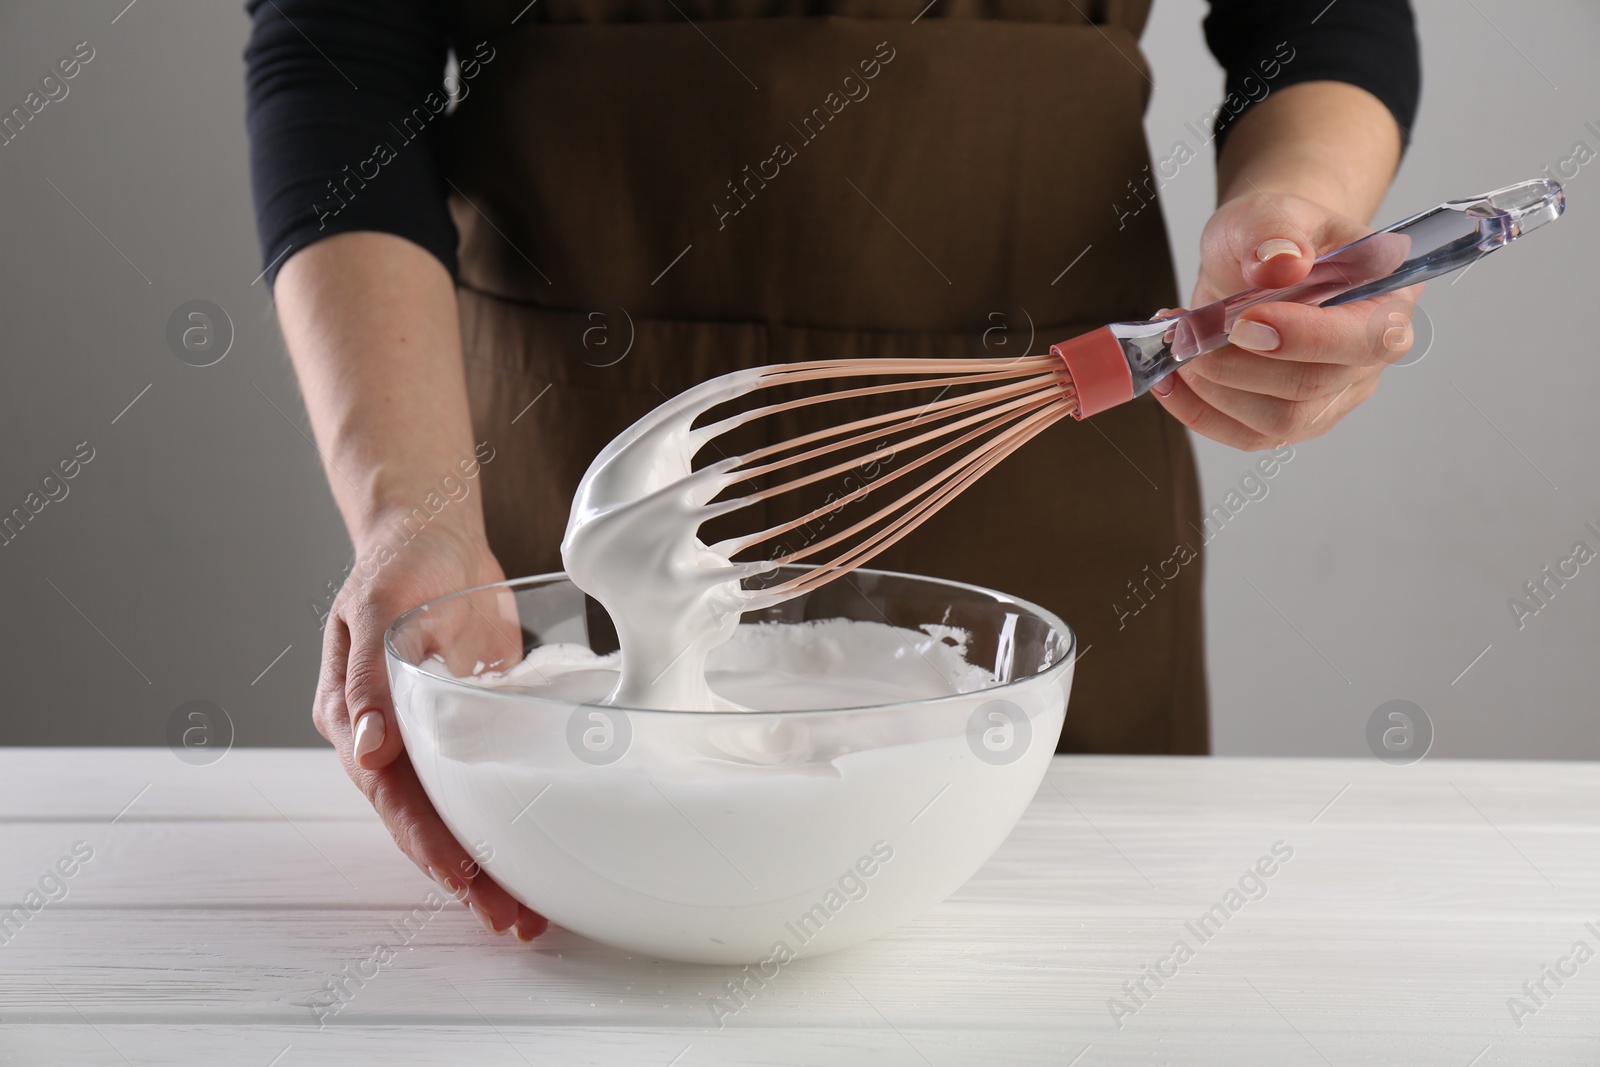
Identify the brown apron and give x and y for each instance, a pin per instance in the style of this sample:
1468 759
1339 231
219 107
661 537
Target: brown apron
651 193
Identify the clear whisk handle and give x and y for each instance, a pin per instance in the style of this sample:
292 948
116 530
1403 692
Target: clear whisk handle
1116 363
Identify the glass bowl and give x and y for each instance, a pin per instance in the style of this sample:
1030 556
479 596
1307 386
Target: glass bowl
729 837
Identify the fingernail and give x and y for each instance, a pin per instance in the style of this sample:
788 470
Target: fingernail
451 884
1163 387
1164 312
1256 336
485 921
369 734
527 931
506 604
1276 247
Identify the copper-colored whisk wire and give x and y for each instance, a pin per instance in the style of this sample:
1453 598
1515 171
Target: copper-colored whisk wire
975 430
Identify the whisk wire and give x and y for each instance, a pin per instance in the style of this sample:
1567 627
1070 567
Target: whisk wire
940 405
907 498
994 410
936 493
960 372
1020 398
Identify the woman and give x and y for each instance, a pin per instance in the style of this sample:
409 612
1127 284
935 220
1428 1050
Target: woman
611 200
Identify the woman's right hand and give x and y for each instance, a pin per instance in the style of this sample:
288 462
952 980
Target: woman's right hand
354 710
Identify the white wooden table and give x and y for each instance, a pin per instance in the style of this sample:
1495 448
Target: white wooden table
1417 903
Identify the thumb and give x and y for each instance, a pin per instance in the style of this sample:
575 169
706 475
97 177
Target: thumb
372 721
1270 245
1268 241
1275 261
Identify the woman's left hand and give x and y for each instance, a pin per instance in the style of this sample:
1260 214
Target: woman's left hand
1291 370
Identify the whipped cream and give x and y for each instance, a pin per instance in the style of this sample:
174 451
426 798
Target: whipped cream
632 544
771 666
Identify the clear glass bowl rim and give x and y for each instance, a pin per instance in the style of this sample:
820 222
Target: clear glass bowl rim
1050 618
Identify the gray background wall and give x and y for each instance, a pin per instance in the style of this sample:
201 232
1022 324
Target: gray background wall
185 556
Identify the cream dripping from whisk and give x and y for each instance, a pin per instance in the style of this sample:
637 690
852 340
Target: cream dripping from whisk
631 539
631 543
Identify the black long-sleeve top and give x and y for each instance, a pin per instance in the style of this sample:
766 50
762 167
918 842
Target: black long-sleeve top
309 121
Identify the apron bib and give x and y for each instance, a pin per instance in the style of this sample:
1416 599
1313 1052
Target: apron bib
647 199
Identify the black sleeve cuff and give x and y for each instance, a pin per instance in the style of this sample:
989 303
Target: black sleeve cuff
344 102
1266 45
